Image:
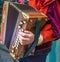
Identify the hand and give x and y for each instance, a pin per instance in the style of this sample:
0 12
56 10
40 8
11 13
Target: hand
26 37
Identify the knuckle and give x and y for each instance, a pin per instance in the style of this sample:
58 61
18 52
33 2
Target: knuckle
22 43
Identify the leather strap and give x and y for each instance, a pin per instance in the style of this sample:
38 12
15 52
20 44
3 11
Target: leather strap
33 45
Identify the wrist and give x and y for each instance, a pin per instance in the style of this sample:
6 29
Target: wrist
40 39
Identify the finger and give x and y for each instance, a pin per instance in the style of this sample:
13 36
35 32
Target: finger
27 32
24 34
24 26
24 41
24 38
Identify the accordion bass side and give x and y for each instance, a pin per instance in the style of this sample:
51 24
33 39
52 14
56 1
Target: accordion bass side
19 17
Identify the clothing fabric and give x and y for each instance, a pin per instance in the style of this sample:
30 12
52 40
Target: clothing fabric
54 18
4 54
46 6
41 5
23 1
39 56
20 1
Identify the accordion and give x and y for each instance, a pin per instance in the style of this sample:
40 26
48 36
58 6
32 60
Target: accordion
15 16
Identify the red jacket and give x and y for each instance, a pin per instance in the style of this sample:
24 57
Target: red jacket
42 6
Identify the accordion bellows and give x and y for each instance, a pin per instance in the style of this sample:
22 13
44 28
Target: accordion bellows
14 15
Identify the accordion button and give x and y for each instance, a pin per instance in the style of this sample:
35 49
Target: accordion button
16 48
22 30
21 23
12 46
31 20
12 51
19 27
24 22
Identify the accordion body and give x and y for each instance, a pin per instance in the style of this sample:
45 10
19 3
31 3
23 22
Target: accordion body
17 17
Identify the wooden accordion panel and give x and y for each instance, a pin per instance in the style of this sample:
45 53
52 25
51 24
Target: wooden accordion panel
19 17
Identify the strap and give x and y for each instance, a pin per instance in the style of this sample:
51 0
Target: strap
33 45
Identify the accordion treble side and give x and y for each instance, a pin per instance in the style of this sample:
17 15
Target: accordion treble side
17 17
